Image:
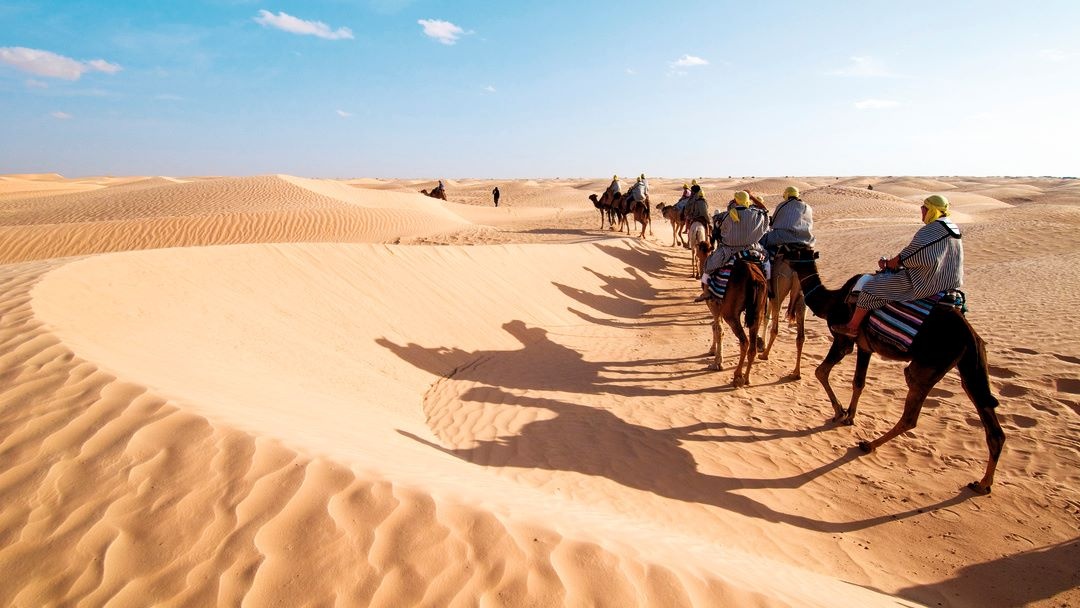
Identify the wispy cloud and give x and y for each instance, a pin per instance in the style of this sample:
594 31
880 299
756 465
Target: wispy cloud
36 84
489 89
876 104
51 65
688 61
443 31
863 66
631 71
343 113
295 25
60 115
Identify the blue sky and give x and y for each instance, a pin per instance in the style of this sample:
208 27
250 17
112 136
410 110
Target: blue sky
399 88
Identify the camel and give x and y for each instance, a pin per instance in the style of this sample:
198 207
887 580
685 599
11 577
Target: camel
439 193
946 340
784 284
746 292
603 204
622 207
671 214
700 248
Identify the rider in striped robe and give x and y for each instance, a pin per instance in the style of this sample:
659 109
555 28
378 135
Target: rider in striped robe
932 262
741 228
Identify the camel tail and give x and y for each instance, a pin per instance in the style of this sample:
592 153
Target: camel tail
975 373
795 304
755 287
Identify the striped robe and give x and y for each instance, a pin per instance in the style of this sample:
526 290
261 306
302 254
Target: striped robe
932 262
737 236
792 222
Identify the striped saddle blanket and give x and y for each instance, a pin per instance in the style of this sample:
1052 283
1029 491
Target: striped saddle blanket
898 322
718 280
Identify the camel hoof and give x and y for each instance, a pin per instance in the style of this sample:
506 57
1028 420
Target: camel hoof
763 356
866 447
978 488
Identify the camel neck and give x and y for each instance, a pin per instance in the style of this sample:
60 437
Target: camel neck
818 298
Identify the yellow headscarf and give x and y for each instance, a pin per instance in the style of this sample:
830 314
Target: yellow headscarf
742 198
694 183
791 192
937 206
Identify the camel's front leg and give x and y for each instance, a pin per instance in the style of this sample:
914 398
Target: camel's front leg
772 316
717 350
800 338
839 349
920 379
741 376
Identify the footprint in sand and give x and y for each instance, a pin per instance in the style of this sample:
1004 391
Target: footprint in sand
942 393
945 515
1001 372
1068 359
1008 389
1068 385
1024 422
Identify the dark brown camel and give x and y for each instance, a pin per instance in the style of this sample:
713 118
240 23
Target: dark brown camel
623 207
671 214
946 340
439 193
784 285
603 204
746 292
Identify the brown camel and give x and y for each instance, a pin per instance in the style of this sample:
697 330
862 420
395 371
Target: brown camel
671 214
439 193
784 284
946 340
746 292
603 204
623 207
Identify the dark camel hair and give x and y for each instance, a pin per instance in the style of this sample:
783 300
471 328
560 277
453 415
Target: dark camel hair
671 214
700 248
439 193
624 207
946 340
746 292
784 284
603 204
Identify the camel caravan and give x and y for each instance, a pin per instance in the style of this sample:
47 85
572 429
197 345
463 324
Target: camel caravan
750 262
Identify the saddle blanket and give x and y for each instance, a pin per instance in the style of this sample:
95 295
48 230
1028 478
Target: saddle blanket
717 282
898 322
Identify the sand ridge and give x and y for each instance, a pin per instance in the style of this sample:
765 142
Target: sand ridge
521 415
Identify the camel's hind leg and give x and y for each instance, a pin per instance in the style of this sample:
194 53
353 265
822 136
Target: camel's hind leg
920 379
717 349
741 377
772 318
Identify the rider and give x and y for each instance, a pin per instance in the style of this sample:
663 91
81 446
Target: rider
614 188
792 223
931 263
741 229
697 208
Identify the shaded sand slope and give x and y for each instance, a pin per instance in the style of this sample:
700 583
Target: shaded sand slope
126 377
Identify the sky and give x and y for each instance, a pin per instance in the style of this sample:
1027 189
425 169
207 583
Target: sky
539 89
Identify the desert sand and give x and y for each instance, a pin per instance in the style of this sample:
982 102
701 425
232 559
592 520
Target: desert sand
277 390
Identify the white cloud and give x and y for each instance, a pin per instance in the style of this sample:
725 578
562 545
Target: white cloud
36 84
631 72
489 89
343 113
60 115
288 23
863 66
51 65
876 104
443 31
687 61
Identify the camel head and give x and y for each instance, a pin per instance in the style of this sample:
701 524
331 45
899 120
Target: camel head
595 201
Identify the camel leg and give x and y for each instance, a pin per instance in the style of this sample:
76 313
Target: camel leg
739 378
839 349
920 379
858 383
995 440
800 338
717 349
772 313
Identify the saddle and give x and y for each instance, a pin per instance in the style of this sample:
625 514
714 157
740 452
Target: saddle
717 281
898 323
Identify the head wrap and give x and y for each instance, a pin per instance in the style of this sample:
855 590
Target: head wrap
937 206
614 177
695 188
791 192
642 176
693 183
685 186
742 197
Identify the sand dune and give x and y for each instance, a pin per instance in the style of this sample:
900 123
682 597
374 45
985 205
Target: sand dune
269 392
